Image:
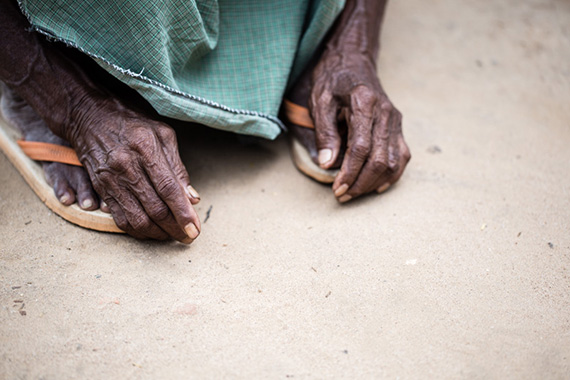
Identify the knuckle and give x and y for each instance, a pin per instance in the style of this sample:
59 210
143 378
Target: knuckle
387 106
181 173
383 119
364 98
324 135
167 133
120 220
140 133
365 92
319 97
159 213
360 149
166 187
379 165
141 223
407 156
394 167
102 178
143 140
117 160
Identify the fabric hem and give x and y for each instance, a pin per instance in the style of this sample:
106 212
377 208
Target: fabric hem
143 78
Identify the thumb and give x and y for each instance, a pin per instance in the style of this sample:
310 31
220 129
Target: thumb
327 138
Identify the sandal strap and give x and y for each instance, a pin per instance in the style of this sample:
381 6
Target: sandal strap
41 151
297 114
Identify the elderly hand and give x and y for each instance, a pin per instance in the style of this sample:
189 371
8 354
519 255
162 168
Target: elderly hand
134 165
346 87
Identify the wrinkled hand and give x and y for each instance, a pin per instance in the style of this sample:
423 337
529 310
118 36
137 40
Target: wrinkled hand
134 165
346 88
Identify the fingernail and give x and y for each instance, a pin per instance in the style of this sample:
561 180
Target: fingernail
193 193
187 240
383 188
64 198
86 203
325 155
345 198
192 231
341 190
104 207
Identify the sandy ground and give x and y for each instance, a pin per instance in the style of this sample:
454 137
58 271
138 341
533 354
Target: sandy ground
460 271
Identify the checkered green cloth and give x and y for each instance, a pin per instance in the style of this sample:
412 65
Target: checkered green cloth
222 63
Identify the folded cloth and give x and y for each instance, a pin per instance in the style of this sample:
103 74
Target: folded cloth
221 63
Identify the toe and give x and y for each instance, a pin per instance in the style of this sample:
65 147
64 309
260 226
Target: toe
87 202
61 186
65 195
87 199
86 196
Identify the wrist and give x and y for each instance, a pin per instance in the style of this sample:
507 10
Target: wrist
348 57
357 30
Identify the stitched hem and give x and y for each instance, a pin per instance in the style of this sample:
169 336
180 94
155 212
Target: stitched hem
143 78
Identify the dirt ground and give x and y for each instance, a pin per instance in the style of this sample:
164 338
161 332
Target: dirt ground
460 271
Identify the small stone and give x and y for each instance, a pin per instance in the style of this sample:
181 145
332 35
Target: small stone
434 149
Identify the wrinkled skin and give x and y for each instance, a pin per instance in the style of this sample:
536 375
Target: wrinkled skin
70 183
376 152
131 157
135 167
345 86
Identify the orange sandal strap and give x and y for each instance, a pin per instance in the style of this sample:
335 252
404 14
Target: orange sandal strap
41 151
297 114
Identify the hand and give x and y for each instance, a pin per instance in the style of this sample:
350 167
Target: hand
346 87
134 165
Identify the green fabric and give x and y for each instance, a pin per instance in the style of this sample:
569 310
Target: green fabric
222 63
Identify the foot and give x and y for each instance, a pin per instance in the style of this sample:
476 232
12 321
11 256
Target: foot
70 183
131 158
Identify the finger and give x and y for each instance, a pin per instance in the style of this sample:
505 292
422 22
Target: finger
131 217
125 208
375 171
155 207
126 180
169 142
120 218
324 112
123 223
169 189
360 119
378 165
405 157
193 194
399 153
